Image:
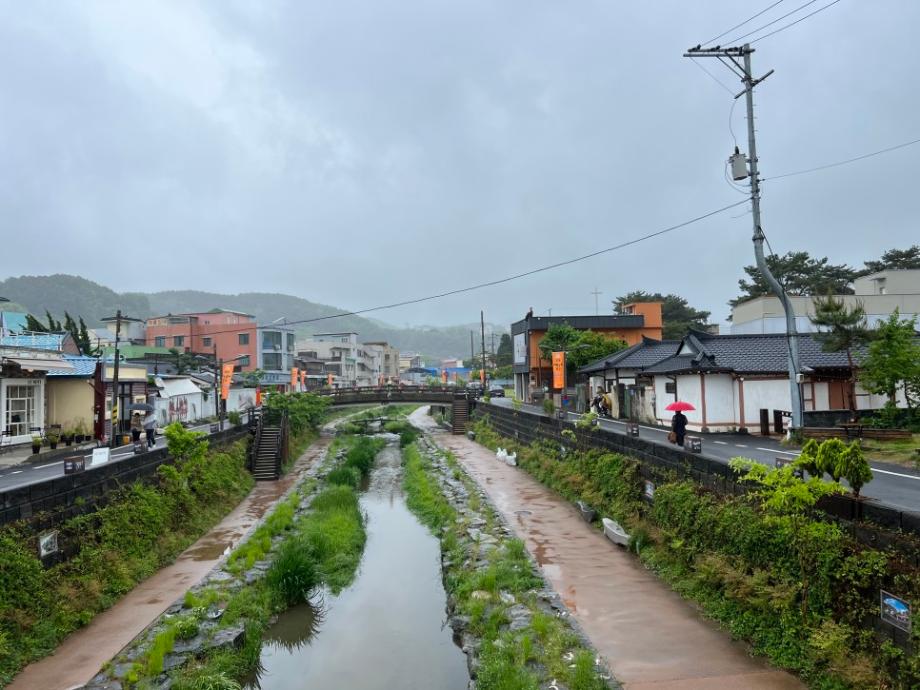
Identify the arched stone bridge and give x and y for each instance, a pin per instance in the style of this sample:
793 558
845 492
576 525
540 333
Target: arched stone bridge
454 400
394 394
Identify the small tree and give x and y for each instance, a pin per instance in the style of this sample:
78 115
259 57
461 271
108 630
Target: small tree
844 328
808 459
853 466
893 359
828 457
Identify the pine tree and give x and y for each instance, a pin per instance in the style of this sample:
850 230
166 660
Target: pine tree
86 346
34 325
841 328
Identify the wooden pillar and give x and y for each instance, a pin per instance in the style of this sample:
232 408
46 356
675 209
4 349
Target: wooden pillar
704 428
741 403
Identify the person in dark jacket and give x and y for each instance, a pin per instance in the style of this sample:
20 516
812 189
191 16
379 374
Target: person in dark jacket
679 427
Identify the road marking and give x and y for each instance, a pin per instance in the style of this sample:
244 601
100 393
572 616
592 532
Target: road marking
740 445
15 471
52 464
773 450
896 474
721 443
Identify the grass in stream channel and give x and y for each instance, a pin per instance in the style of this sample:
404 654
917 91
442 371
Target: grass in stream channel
322 547
541 646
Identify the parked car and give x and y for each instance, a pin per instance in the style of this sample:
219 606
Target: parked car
474 388
496 392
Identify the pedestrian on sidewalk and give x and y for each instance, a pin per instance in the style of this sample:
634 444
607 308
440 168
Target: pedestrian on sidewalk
137 426
150 426
678 427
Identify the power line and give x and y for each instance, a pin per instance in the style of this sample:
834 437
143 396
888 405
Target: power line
492 283
782 28
845 162
713 77
768 24
738 26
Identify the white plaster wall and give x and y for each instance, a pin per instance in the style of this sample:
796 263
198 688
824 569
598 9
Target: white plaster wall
822 396
688 390
720 402
770 394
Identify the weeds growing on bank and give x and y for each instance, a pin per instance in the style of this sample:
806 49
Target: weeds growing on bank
321 548
141 529
520 660
797 588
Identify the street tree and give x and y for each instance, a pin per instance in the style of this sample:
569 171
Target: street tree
678 316
581 347
505 355
841 328
892 360
800 274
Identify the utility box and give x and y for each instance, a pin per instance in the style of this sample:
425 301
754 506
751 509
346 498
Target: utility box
739 166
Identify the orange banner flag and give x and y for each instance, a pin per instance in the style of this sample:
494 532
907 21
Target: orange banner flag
226 376
295 374
559 370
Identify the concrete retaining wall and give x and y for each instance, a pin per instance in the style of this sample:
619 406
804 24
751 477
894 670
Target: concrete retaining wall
44 505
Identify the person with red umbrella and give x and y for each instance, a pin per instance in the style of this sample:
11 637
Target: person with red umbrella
678 421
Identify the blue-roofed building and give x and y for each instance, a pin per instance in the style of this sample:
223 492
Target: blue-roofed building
70 397
12 322
56 342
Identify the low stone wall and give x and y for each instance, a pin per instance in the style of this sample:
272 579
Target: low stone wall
45 504
869 521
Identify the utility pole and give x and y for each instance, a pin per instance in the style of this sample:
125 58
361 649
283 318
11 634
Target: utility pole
729 58
472 351
482 328
596 293
116 412
218 375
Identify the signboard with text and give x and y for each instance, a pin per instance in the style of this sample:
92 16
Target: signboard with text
47 544
100 456
226 376
520 348
559 370
895 611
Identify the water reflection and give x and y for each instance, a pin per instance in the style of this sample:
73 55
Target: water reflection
387 630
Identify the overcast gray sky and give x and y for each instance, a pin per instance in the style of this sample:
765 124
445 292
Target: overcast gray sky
362 152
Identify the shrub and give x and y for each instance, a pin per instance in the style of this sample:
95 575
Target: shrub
186 627
235 418
293 572
827 458
853 466
548 406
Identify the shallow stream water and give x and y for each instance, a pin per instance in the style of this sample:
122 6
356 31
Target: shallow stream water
388 630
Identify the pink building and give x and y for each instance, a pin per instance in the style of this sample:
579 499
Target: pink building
227 333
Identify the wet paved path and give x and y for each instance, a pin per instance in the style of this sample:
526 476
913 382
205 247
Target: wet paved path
83 653
652 639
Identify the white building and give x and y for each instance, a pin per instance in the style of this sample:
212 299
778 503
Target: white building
23 373
735 382
179 400
878 293
339 352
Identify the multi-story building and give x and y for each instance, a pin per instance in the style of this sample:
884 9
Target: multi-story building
532 371
388 360
339 352
410 360
130 330
879 294
228 335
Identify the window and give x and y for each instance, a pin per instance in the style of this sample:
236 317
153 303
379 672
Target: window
243 361
271 361
244 339
271 340
178 340
206 342
290 342
20 414
159 341
670 387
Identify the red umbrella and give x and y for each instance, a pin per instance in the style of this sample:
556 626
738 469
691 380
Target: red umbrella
679 406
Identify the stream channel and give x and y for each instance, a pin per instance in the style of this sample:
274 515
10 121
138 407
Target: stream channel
388 629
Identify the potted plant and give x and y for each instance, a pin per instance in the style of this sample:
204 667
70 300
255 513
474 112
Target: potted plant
53 439
80 432
36 444
67 436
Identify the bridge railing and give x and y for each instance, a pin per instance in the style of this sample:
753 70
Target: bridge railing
394 394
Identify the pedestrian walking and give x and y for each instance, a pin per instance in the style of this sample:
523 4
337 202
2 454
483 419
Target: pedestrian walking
678 427
150 426
137 426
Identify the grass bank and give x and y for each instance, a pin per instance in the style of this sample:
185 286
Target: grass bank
315 538
798 589
516 641
143 527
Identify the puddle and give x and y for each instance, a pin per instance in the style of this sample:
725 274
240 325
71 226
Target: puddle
388 630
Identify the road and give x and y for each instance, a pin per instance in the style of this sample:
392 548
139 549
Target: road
893 485
24 474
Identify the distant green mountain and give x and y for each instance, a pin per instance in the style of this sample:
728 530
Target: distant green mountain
82 297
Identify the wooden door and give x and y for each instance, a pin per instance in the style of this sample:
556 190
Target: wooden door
836 393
